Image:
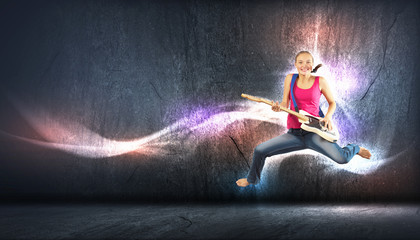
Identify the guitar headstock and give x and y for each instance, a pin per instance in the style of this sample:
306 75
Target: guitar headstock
252 98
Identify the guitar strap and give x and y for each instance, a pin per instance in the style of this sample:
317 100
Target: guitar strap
321 114
291 91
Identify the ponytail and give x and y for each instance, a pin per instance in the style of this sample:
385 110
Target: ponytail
316 68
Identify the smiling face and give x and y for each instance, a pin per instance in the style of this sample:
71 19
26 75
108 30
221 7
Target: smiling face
304 63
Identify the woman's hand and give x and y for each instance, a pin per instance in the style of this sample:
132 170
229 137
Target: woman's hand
275 106
327 122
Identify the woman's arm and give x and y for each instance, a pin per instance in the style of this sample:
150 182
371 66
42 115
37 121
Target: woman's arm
286 91
326 91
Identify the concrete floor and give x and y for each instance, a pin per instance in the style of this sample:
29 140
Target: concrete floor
204 221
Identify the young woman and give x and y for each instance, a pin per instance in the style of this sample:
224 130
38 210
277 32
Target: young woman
307 91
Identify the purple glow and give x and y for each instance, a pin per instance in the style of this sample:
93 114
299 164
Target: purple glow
75 138
200 123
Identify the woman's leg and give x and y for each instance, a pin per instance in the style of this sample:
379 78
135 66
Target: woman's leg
281 144
331 150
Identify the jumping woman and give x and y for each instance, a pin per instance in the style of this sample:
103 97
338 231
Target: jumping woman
307 91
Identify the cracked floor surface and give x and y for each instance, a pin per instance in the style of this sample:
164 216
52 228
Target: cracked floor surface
206 221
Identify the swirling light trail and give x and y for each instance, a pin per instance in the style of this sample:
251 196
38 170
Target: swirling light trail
87 143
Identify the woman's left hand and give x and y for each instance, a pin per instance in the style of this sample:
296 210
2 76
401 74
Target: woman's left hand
327 122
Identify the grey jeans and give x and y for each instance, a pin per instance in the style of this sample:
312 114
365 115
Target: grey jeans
293 140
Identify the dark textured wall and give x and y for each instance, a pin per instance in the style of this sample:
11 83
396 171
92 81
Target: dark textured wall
83 79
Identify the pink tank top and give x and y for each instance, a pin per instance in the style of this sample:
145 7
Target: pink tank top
307 100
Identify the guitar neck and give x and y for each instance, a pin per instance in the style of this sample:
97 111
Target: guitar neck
266 101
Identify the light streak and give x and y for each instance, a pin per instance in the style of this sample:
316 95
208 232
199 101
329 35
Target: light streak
76 139
83 142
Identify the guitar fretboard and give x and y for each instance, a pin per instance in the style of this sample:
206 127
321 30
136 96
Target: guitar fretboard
266 101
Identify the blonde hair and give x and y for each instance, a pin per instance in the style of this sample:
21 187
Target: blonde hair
316 67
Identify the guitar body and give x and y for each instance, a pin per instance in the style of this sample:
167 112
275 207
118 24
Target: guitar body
314 125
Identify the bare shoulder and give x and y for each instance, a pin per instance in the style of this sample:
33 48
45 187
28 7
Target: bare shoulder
323 84
323 81
288 78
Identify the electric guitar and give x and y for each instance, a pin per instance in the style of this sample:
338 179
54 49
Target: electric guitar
309 123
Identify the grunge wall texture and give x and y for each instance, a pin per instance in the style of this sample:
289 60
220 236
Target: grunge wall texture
140 100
